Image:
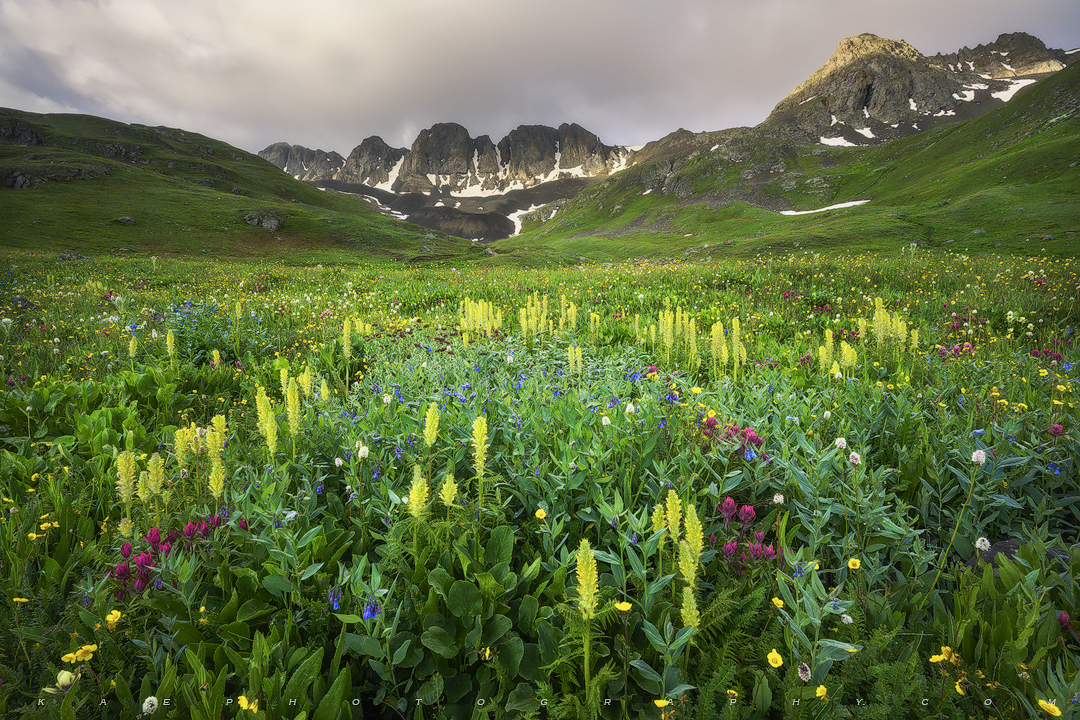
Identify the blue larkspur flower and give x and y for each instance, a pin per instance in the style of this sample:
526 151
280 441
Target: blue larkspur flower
749 453
335 597
372 610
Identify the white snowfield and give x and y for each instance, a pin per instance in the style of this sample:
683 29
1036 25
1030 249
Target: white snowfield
837 142
516 217
853 203
1006 95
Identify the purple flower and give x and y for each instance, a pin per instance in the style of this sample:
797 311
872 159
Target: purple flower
727 509
730 549
746 514
335 597
372 610
633 539
125 552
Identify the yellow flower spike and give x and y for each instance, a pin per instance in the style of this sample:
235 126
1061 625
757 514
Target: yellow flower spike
587 580
774 658
431 424
20 600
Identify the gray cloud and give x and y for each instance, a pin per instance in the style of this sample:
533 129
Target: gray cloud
326 74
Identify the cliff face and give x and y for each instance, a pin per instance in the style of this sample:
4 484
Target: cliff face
445 159
875 89
301 162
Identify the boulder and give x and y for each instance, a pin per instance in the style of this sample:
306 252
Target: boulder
68 256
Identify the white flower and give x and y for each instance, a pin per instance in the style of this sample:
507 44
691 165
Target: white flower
854 458
778 499
150 705
978 457
630 409
338 462
386 399
827 415
361 450
841 443
846 619
291 515
605 420
982 544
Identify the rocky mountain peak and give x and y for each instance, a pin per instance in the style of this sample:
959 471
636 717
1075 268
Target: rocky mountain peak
874 88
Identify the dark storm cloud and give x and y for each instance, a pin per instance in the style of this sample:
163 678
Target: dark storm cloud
328 74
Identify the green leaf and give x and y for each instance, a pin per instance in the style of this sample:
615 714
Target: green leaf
500 546
252 609
465 599
348 618
364 645
495 628
302 679
330 705
277 585
309 571
399 656
439 641
650 680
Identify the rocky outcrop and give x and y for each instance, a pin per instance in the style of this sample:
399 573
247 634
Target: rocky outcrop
373 163
445 160
875 89
303 163
1011 55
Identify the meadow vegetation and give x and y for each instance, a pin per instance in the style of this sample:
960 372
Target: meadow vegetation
750 488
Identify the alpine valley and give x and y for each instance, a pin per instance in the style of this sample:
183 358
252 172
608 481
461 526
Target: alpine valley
938 149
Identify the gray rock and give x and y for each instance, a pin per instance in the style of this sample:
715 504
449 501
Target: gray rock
126 220
1009 548
978 232
265 220
21 303
65 257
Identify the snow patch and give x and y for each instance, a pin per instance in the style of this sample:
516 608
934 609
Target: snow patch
1006 95
837 142
647 191
1070 52
911 103
865 112
516 217
834 120
714 147
393 176
943 113
867 132
966 96
971 65
853 203
808 99
1007 66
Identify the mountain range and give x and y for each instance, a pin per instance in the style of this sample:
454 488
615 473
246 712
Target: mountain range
871 90
977 148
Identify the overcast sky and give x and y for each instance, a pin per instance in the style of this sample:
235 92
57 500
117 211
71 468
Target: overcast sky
328 73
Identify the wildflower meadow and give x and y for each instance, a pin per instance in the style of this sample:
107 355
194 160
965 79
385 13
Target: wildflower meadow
815 486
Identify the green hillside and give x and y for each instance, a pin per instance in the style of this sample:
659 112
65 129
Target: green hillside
1004 182
66 179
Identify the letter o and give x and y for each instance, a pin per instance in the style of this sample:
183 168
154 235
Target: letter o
479 702
988 702
356 701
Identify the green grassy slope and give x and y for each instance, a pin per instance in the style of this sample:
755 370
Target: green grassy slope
187 193
1012 173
